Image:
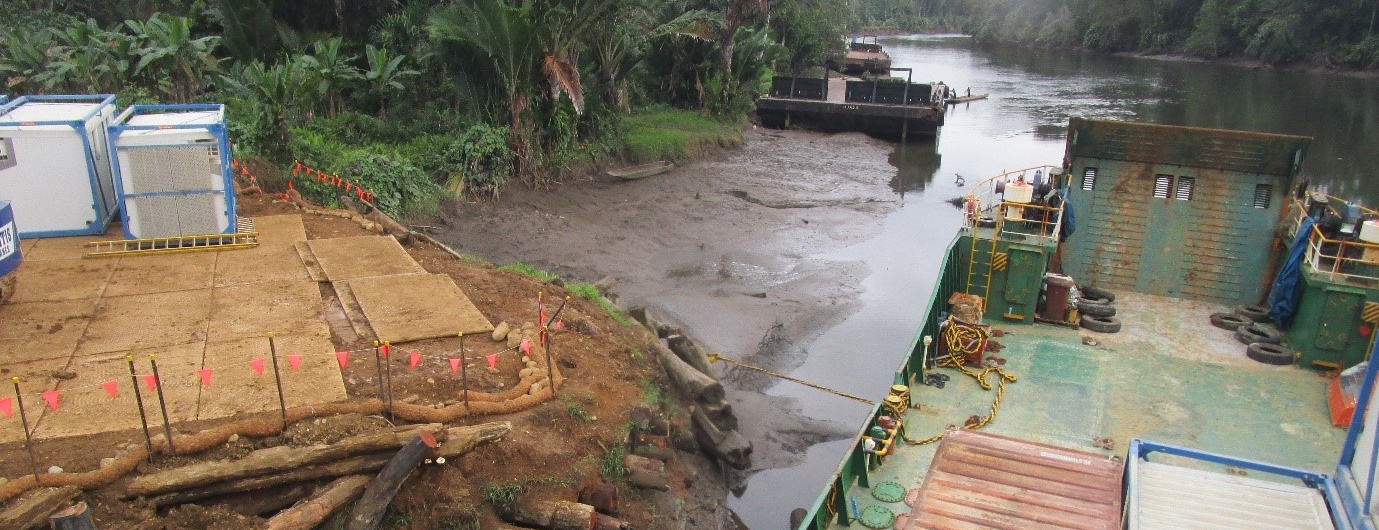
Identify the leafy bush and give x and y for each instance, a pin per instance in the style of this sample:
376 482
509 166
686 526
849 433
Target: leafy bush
398 185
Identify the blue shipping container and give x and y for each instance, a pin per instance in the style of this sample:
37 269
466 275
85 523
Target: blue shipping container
9 240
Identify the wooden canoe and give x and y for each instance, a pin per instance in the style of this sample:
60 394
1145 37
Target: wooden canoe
642 171
965 99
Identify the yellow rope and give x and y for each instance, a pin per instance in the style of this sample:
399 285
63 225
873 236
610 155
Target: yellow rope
969 339
714 357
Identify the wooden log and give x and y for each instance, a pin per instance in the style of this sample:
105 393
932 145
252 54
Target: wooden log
310 513
635 462
555 515
368 512
690 352
721 413
605 522
461 440
648 479
687 379
74 517
256 503
272 460
728 446
369 463
32 510
603 497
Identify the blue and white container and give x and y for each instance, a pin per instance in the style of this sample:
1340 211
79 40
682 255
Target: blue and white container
54 164
172 171
9 241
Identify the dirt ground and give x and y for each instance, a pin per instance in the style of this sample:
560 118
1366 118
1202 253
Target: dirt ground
553 449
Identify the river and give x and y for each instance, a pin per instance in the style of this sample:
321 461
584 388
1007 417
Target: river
844 260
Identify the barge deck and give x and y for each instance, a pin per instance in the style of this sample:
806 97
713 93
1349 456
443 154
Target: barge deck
885 109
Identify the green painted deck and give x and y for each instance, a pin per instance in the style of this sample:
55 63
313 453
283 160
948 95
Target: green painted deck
1168 376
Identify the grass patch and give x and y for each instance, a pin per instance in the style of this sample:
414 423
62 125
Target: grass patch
530 271
611 468
579 409
664 133
653 394
588 292
637 354
502 497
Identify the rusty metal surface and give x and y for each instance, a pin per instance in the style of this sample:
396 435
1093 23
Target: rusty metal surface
1173 210
981 480
1243 151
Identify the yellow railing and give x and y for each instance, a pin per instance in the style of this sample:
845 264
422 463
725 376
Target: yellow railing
1340 259
986 203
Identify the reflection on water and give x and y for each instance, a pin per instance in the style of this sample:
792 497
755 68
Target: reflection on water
915 165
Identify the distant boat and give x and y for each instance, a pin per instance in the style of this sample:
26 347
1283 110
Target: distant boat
866 57
642 171
965 99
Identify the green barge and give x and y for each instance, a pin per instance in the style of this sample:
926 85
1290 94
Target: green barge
1089 305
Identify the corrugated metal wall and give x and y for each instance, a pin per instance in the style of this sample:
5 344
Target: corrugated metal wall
1175 211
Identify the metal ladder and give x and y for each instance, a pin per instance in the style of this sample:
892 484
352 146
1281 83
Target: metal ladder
244 236
982 258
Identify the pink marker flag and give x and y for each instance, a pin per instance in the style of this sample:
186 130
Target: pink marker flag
7 407
492 360
151 381
343 357
413 359
559 324
454 366
384 350
257 365
295 360
109 387
525 346
51 397
205 374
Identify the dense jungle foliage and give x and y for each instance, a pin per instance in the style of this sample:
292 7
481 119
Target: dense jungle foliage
1340 32
414 97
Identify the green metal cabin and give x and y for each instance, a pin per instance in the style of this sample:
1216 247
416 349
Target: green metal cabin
1177 211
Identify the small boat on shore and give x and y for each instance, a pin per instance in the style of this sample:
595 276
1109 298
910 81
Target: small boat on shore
642 171
965 99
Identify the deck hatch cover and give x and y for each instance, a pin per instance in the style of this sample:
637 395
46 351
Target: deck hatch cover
1179 497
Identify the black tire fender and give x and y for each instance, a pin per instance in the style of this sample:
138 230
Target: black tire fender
1268 353
1229 321
1256 333
1253 312
1100 324
1095 309
1092 291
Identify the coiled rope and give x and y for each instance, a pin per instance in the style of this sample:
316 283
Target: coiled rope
968 340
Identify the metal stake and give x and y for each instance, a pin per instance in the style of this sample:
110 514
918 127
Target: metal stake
464 375
378 369
139 399
282 403
28 439
162 404
389 370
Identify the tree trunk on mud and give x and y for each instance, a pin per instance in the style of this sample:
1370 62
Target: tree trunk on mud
368 512
688 379
556 515
309 514
358 464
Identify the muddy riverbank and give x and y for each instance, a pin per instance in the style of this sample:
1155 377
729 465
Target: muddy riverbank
728 248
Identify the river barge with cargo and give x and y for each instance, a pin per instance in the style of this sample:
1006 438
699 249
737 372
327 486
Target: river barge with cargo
1143 336
890 108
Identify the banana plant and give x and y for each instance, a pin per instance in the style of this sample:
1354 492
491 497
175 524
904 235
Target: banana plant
333 70
168 46
385 74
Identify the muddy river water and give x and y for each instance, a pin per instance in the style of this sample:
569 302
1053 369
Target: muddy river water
814 254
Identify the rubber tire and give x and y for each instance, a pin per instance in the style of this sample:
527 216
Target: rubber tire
1253 312
1229 321
1091 291
1095 309
1096 300
1268 353
1100 324
1256 333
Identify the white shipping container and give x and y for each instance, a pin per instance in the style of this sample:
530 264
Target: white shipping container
172 171
55 165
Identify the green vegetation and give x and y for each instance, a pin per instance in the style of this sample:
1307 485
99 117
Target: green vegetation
502 497
425 99
611 467
588 292
1279 31
664 133
653 394
530 271
578 407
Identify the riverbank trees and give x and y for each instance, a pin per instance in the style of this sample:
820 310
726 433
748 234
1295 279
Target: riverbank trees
1337 32
414 97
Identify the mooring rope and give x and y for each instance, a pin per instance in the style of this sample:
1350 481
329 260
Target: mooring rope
966 339
714 357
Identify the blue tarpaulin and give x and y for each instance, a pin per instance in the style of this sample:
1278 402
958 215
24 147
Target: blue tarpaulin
1283 296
